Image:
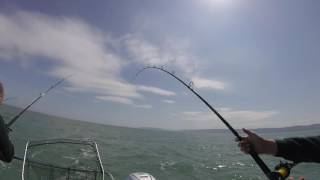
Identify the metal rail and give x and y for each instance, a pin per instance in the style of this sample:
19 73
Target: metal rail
40 164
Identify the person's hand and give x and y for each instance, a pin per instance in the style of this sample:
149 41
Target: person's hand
251 141
259 145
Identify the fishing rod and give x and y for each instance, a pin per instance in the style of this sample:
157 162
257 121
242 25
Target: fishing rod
275 175
15 118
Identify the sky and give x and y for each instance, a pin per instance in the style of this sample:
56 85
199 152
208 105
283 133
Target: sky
256 62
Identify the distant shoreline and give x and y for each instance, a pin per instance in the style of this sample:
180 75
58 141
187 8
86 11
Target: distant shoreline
260 130
264 130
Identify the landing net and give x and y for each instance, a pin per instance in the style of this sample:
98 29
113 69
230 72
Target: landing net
63 159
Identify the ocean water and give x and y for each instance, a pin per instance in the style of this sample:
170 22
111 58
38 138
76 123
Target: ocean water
167 155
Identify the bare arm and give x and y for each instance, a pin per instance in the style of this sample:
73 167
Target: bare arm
260 145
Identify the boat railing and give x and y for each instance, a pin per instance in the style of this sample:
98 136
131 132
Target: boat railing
51 171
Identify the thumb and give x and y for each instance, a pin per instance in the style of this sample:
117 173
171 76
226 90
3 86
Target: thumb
249 133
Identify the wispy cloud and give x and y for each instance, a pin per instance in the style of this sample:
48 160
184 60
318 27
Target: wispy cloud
203 83
239 116
71 42
168 101
116 99
170 53
145 106
122 100
72 46
156 90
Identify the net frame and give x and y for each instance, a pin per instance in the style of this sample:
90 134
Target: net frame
88 142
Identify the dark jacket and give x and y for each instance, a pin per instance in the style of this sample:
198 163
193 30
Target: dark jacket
302 149
6 147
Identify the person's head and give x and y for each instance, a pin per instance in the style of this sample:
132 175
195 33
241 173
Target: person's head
1 93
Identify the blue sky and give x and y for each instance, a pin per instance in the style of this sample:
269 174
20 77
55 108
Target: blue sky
257 62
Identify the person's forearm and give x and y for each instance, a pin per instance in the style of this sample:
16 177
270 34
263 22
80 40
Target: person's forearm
269 147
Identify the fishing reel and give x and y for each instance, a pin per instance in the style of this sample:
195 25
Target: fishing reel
282 170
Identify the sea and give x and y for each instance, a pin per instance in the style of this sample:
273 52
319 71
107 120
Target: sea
167 155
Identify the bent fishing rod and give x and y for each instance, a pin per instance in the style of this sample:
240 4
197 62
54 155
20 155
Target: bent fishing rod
276 175
15 118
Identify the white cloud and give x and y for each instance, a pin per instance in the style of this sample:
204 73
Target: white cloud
116 99
70 42
249 115
123 100
71 46
237 116
168 101
197 116
203 83
145 106
173 54
155 90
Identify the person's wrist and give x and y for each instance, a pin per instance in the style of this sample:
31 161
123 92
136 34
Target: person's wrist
269 147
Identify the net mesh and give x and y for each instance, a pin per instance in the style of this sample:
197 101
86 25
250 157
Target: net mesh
62 160
37 171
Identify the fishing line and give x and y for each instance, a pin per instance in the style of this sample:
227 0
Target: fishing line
15 118
270 175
